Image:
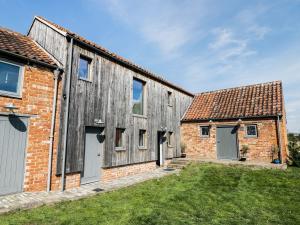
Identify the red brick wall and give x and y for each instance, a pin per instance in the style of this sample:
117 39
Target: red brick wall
259 148
37 96
113 173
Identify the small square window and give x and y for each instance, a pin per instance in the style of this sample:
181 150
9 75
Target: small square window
120 136
170 139
169 98
251 131
84 68
204 131
10 79
142 138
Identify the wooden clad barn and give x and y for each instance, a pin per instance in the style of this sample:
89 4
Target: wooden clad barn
114 113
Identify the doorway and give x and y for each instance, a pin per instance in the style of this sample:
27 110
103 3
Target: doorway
92 157
227 143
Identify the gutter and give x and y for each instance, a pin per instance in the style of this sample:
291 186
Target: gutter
279 138
68 85
29 59
229 118
55 90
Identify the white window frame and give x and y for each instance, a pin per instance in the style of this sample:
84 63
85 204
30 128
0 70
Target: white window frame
20 81
246 131
90 61
204 136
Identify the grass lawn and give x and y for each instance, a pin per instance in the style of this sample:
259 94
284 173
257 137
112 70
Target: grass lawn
201 194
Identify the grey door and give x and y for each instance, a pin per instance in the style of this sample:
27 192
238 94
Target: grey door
227 143
13 137
92 157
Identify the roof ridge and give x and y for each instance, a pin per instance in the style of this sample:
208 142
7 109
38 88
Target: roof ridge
114 55
240 87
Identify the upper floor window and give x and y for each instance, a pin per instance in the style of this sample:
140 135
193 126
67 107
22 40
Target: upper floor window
169 98
251 130
10 79
84 68
204 131
138 97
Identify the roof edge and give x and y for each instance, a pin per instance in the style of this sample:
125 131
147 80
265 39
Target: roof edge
230 118
30 60
240 87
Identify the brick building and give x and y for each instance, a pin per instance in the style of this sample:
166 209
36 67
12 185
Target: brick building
219 123
26 109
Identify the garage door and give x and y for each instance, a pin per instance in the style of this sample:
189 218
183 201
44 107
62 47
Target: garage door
227 143
13 136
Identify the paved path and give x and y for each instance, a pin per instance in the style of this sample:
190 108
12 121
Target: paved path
27 200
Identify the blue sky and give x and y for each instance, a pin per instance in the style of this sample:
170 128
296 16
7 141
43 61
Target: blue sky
198 44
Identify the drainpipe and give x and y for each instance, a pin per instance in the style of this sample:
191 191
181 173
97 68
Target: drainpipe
279 138
63 166
56 78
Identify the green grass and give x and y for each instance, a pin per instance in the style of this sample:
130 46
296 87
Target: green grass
201 194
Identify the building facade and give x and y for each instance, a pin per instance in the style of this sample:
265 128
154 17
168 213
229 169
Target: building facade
237 123
117 119
27 89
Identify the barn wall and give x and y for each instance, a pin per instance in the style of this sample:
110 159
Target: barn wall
108 97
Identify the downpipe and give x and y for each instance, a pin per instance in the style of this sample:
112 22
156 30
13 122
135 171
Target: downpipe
51 138
63 166
279 138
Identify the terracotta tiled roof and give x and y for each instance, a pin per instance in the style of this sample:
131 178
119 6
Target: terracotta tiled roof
259 100
23 46
114 56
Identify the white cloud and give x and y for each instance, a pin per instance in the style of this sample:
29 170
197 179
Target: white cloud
167 24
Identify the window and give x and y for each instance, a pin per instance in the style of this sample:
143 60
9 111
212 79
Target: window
142 138
169 98
10 79
251 131
204 131
138 97
120 136
84 68
170 139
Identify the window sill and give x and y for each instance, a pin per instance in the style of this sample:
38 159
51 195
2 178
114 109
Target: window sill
142 148
10 95
140 116
204 136
86 80
120 149
251 136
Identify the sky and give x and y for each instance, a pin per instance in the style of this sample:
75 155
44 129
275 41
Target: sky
200 45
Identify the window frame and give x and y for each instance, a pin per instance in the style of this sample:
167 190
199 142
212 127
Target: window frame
170 139
170 99
123 135
246 131
144 146
143 114
18 94
89 60
201 133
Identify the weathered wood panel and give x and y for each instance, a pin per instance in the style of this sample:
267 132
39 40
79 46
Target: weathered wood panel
108 96
52 41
